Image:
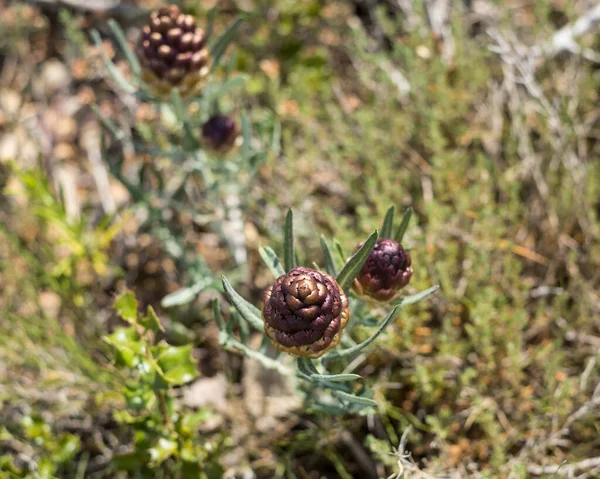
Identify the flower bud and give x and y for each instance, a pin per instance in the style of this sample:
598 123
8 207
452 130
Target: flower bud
173 54
305 312
219 133
386 271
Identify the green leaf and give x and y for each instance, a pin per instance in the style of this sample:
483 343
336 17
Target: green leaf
182 116
356 262
220 45
289 258
131 58
190 421
130 462
404 225
335 354
185 295
216 308
415 298
387 230
67 447
246 135
126 307
112 69
164 449
267 362
306 366
336 378
330 265
127 345
270 258
176 363
362 401
249 312
151 321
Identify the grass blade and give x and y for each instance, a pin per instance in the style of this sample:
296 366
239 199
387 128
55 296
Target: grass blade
289 258
404 224
112 69
249 312
220 45
246 135
330 265
387 230
270 258
356 262
131 58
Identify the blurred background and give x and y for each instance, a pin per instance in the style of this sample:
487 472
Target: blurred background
482 115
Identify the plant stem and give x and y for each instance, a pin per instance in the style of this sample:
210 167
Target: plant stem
162 404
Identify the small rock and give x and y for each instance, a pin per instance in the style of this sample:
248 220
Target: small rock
207 392
54 76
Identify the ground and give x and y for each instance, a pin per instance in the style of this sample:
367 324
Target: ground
482 116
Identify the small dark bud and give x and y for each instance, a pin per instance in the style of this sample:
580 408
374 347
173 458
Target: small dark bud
387 270
219 133
305 312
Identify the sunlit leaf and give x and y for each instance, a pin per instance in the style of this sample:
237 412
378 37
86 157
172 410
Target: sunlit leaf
387 230
249 312
126 307
356 262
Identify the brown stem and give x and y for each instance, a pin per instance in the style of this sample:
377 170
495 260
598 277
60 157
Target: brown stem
162 404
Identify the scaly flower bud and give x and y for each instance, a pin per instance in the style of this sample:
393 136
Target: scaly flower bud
219 133
305 312
386 271
173 53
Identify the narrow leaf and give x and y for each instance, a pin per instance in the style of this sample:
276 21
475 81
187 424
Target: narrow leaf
251 353
339 249
306 366
270 258
246 134
220 45
404 225
216 307
356 262
289 259
249 312
131 58
415 298
359 347
337 378
185 295
387 230
110 66
330 265
354 399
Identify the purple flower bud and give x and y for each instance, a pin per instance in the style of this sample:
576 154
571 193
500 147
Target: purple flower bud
387 270
173 53
305 312
219 133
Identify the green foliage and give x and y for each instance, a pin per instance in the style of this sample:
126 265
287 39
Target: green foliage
166 435
326 392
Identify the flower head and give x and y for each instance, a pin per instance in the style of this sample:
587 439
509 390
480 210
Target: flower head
387 270
173 52
305 312
219 133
